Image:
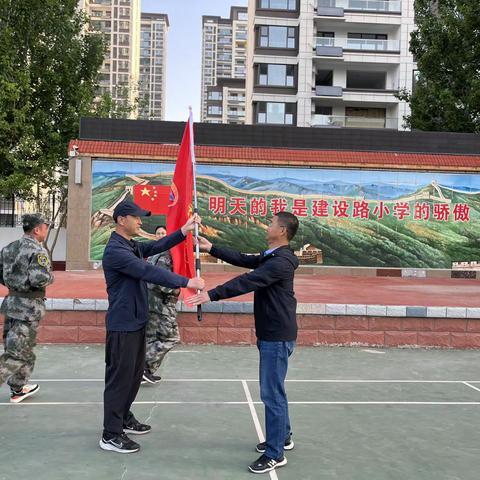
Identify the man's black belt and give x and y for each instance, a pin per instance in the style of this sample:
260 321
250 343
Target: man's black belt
37 294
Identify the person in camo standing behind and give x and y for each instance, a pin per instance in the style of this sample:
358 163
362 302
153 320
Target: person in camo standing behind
162 328
25 270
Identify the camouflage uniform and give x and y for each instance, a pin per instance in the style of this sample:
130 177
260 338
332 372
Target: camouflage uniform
162 327
25 270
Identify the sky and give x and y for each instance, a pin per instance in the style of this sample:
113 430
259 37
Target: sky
184 57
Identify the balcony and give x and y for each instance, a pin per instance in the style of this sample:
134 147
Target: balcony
328 91
236 99
336 8
354 122
333 47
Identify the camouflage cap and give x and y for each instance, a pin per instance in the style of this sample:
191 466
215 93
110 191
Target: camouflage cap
32 220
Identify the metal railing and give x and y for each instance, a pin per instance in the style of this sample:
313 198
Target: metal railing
359 44
394 6
13 208
354 122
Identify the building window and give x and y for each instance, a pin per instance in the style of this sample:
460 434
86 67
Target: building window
276 113
277 37
369 36
415 78
276 75
214 110
322 110
215 95
366 80
279 4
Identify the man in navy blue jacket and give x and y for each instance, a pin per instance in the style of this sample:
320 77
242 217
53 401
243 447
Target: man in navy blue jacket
126 273
275 324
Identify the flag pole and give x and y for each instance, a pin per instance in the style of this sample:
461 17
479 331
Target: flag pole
195 205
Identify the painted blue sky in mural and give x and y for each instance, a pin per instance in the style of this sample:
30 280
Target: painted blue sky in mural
303 181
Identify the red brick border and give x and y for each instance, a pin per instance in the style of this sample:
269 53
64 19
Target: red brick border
239 329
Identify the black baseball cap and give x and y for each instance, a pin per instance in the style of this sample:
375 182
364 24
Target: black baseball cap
127 207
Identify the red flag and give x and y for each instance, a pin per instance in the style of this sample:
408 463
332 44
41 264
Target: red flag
180 208
152 197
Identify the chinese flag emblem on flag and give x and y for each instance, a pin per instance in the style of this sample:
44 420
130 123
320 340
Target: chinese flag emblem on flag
154 198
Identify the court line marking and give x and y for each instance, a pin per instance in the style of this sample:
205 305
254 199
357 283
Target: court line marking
171 402
472 386
256 380
256 421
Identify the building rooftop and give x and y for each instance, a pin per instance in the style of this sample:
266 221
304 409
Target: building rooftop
283 137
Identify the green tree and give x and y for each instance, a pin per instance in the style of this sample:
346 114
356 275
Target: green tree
446 46
122 107
48 79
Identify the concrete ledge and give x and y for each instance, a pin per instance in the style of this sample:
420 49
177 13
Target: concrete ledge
62 303
334 309
438 312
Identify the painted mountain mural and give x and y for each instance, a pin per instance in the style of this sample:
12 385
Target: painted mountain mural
356 218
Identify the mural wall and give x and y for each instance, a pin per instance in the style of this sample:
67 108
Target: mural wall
347 217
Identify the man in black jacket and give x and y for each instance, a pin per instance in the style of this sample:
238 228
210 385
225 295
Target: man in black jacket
126 273
275 323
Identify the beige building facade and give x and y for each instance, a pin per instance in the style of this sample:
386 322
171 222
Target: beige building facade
224 43
119 21
337 63
153 66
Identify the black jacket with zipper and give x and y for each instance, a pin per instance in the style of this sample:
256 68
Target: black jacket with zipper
271 279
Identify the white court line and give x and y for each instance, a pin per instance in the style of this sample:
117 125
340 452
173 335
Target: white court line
140 402
471 386
253 412
256 421
250 403
256 380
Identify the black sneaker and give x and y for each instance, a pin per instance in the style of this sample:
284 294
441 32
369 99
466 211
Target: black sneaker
265 464
134 427
119 443
150 378
261 447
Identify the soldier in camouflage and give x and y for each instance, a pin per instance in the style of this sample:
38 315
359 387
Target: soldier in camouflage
162 328
26 271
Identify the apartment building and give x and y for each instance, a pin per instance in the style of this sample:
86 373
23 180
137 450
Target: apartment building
329 62
223 67
119 21
153 65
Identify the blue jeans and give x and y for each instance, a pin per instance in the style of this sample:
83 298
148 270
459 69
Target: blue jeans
273 370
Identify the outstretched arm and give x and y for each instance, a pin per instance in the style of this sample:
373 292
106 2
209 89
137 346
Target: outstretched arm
132 266
228 255
147 249
262 277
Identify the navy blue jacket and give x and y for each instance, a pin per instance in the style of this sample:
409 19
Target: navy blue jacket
275 304
126 273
